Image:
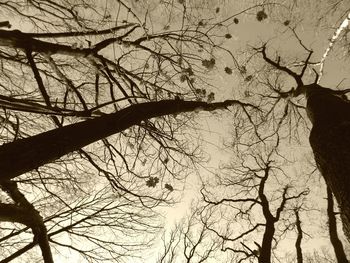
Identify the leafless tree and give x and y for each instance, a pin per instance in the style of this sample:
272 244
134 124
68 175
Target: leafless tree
256 209
76 72
290 96
189 241
328 112
98 108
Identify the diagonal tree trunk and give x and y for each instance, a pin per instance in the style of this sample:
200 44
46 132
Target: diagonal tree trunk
23 155
330 141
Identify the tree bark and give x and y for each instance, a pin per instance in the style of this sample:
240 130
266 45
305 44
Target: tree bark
24 155
330 141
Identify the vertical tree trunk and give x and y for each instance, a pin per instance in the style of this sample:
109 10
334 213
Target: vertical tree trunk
266 246
332 227
299 237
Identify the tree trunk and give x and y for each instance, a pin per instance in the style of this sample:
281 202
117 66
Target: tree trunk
24 155
266 246
332 228
330 141
299 237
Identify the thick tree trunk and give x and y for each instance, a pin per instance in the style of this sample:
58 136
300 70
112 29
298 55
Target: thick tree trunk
266 246
330 141
23 155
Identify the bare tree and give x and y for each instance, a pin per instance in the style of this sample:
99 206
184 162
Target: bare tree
328 112
255 211
76 72
189 241
289 95
98 113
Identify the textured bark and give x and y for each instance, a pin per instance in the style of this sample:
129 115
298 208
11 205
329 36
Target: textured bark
330 141
24 155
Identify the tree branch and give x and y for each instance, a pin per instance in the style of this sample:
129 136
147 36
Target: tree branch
35 151
24 212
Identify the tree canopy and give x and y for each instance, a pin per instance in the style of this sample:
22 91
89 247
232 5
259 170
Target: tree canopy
107 112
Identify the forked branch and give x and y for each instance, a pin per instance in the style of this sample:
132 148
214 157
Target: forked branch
298 77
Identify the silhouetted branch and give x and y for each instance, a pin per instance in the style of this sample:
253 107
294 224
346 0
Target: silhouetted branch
32 152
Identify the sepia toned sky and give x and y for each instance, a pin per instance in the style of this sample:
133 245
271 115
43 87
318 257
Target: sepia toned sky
313 21
315 25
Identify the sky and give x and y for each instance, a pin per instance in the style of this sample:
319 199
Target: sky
334 71
251 33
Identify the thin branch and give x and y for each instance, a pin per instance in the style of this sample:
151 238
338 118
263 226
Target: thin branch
111 30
